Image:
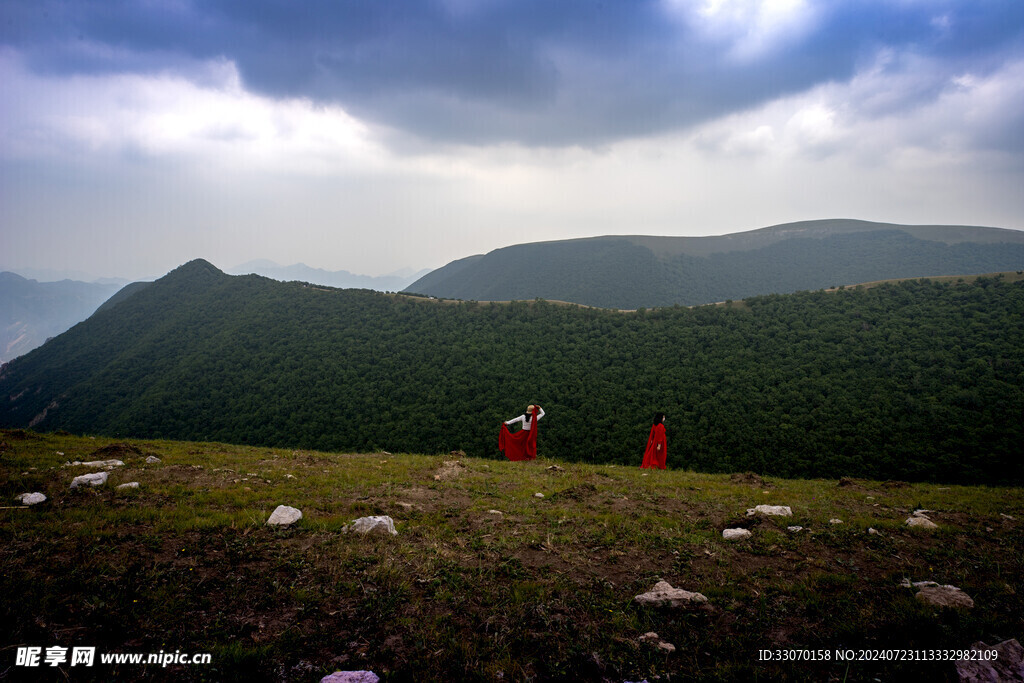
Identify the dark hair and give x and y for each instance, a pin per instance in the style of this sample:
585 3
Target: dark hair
659 418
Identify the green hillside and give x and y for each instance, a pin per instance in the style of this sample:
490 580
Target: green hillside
629 272
917 380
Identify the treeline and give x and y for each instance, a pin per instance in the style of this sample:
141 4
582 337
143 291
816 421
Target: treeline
918 380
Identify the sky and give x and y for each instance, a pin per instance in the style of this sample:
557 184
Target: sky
376 135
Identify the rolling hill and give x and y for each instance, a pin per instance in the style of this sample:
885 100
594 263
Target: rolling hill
629 272
915 380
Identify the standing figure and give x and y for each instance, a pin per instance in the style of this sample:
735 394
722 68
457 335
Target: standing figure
657 447
521 445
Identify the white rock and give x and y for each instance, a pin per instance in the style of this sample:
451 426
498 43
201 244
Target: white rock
736 534
129 485
496 513
376 524
794 529
921 522
1006 516
835 520
30 498
664 595
93 479
872 531
284 515
103 463
152 460
781 510
538 495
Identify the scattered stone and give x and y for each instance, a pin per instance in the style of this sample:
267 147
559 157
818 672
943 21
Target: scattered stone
655 641
781 510
664 595
30 498
872 531
555 468
921 512
736 534
538 495
944 596
152 460
1008 664
921 522
351 677
794 529
129 485
108 464
290 476
376 524
835 520
1010 517
284 515
93 479
450 469
496 513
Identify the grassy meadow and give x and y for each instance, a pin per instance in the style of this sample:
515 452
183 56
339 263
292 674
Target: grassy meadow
542 591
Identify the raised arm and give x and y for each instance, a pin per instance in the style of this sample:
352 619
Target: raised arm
521 418
540 412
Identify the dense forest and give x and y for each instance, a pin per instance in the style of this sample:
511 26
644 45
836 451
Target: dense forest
630 272
919 380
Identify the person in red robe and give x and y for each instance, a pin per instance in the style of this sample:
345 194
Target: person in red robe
657 447
521 445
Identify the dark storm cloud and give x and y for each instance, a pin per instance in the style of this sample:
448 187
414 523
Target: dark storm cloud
536 72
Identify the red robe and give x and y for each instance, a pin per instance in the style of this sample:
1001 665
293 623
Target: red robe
521 445
653 458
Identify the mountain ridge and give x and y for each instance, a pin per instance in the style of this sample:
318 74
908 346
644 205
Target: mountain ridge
632 271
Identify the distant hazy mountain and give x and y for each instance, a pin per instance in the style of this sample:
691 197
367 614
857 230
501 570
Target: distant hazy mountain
31 311
644 271
337 278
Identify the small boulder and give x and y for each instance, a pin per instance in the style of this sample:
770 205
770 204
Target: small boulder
1006 665
30 498
736 534
92 479
835 520
375 524
655 641
129 485
108 464
152 460
794 529
944 596
921 522
872 531
284 515
496 513
351 677
664 595
780 510
538 495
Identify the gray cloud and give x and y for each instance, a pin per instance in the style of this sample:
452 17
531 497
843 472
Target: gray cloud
534 72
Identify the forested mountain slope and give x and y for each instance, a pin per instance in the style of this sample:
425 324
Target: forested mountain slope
917 380
639 271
